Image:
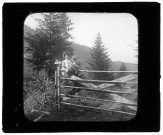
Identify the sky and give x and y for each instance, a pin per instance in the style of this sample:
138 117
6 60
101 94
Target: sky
119 32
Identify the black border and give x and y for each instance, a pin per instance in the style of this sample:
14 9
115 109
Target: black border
148 115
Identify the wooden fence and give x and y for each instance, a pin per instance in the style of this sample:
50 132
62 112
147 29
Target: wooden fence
59 96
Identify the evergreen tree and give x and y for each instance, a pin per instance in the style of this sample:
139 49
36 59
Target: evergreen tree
136 49
122 68
99 60
49 41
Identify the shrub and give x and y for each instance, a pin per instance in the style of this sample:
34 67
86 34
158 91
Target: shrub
38 92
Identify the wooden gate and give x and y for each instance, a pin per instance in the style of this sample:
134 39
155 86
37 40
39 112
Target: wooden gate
96 88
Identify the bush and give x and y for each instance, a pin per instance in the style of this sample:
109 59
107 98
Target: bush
38 94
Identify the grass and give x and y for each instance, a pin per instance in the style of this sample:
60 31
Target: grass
71 113
32 116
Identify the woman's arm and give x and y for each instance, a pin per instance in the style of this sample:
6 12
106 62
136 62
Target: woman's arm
63 66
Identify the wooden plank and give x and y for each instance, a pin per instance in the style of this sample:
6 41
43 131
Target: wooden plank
121 99
58 62
133 107
89 85
95 71
40 90
97 108
98 90
100 81
104 85
38 118
105 100
39 111
58 88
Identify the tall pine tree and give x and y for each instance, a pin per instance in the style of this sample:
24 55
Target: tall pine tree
99 60
122 68
49 41
136 49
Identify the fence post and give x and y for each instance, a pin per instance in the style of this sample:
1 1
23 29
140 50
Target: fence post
55 88
58 87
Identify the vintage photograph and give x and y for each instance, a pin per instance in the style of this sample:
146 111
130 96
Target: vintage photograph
80 66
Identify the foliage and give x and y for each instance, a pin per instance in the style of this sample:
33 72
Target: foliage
136 49
38 91
72 113
122 68
99 60
78 73
49 41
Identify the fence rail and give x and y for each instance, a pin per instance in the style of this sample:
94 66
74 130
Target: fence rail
97 108
100 81
131 104
99 90
97 71
40 90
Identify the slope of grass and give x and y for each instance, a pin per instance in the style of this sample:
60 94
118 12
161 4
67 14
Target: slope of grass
71 113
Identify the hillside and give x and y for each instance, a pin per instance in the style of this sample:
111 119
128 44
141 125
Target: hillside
83 53
130 66
27 29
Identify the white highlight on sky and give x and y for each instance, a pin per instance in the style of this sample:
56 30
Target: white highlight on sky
119 32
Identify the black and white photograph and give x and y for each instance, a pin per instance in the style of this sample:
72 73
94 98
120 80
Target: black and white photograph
80 66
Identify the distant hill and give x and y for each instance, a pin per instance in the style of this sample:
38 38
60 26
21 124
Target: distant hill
27 29
83 53
130 66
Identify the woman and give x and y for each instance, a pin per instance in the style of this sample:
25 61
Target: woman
66 64
69 68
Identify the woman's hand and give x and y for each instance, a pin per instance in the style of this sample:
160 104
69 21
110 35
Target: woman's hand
64 69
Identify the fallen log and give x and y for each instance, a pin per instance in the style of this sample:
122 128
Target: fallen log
39 117
42 112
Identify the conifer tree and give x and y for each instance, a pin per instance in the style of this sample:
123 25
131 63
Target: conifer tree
99 60
49 41
136 49
122 68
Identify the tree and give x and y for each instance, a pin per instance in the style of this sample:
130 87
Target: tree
78 63
49 41
122 68
136 49
99 60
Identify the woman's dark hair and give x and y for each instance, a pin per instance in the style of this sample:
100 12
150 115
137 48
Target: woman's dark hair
65 53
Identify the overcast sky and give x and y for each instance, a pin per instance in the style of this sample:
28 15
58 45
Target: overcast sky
119 32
